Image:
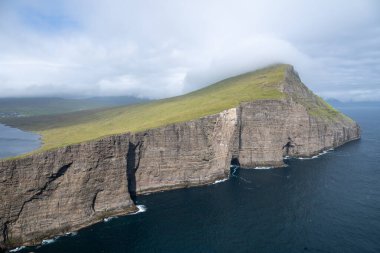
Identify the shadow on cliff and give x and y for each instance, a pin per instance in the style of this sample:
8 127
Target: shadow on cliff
133 159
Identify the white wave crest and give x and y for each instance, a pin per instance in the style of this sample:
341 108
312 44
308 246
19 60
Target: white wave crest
109 218
141 209
313 157
17 249
48 241
74 233
263 168
220 181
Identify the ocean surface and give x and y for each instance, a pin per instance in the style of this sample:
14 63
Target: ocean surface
14 142
327 204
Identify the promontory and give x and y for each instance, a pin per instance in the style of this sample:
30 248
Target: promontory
93 165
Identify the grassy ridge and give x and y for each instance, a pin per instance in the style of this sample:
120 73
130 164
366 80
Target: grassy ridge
64 129
67 129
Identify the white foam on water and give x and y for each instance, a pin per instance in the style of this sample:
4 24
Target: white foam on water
109 218
262 168
48 241
74 233
141 209
313 157
220 181
234 170
316 156
17 249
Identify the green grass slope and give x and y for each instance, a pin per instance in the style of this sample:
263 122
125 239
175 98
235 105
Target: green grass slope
61 130
64 129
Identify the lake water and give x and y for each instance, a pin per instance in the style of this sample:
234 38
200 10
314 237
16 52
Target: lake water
14 142
328 204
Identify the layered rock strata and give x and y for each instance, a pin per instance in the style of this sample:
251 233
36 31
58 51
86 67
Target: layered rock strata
61 190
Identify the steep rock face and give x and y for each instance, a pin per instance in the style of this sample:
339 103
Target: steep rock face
62 190
68 188
57 191
300 125
180 155
270 130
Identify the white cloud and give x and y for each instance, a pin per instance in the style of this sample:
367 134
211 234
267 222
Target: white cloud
164 48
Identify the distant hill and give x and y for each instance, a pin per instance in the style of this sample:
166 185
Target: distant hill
21 107
340 104
263 84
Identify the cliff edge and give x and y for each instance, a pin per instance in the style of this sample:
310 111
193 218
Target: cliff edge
64 189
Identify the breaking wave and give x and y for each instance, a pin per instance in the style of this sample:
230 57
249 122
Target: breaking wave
17 249
263 168
220 181
48 241
309 158
109 218
316 156
74 233
141 209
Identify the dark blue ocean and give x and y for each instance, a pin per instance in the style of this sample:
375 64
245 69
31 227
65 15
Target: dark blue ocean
327 204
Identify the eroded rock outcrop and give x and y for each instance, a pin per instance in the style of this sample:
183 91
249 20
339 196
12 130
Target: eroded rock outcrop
68 188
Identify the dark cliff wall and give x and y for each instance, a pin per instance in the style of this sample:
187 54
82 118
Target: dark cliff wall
180 155
300 125
57 191
62 190
271 130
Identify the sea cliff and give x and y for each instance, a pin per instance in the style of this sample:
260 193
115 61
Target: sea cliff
64 189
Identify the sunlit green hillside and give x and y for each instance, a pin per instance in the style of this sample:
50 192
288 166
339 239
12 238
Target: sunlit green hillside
64 129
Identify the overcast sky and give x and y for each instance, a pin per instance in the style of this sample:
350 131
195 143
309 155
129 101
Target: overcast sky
161 48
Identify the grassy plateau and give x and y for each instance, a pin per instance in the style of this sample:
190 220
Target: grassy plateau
64 129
